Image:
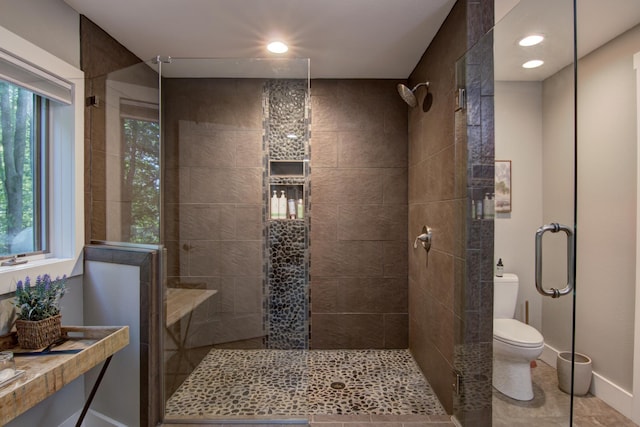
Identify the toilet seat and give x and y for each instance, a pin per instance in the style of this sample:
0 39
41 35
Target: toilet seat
516 333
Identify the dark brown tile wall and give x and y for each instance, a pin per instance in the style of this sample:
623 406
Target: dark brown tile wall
358 215
441 334
433 202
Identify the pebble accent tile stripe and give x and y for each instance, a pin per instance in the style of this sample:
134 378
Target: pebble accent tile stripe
287 300
286 117
286 133
272 383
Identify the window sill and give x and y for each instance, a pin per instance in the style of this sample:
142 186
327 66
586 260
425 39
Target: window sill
10 275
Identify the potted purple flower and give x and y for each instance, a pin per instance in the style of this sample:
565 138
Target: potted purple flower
38 310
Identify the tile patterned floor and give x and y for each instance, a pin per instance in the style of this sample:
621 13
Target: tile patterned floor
296 383
550 406
383 388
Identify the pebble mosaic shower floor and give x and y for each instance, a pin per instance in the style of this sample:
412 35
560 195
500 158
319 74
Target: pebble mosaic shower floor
290 383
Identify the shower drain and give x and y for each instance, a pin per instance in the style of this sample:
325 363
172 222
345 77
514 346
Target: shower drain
337 385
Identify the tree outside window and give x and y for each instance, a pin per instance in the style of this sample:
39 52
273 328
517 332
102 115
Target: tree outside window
19 189
141 180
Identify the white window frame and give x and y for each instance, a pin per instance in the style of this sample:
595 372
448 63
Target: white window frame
66 171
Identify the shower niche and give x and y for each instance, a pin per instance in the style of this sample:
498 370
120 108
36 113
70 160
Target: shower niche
286 144
286 168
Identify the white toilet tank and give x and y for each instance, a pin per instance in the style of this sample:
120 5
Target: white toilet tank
505 295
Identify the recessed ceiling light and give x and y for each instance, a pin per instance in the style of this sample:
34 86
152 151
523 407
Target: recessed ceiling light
277 47
534 63
531 40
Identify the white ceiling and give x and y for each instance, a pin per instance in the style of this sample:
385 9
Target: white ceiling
342 38
598 22
350 38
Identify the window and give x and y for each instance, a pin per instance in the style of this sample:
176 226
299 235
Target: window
23 143
51 213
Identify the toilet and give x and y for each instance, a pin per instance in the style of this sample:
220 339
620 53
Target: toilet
515 344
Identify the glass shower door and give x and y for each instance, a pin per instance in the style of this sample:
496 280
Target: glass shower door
568 131
127 173
535 198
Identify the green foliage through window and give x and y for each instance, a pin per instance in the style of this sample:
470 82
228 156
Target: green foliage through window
19 190
141 179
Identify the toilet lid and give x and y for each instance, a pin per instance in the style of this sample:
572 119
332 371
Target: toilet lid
514 332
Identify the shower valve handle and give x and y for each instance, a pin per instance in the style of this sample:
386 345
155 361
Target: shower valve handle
424 239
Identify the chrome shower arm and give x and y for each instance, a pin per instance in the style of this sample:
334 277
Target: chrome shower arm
420 84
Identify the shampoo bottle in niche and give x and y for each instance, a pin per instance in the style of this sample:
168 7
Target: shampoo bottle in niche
300 209
499 268
275 205
487 205
292 208
282 205
479 209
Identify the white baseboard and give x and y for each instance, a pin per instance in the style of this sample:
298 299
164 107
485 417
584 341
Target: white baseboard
616 397
549 356
613 395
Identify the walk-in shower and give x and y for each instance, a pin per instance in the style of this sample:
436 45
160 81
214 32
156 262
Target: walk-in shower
236 296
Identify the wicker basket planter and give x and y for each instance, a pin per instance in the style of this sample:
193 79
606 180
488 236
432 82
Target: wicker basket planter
40 333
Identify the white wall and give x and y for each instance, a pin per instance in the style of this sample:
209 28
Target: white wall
518 118
607 207
49 24
112 297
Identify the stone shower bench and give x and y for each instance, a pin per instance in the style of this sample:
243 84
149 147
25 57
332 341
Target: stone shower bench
181 302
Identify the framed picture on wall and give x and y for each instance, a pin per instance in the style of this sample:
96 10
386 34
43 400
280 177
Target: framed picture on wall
503 186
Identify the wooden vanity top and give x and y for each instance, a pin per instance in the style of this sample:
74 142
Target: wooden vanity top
46 374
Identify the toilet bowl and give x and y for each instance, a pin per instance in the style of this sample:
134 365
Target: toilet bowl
515 344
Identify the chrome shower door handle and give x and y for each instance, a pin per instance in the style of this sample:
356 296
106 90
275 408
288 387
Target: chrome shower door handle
554 228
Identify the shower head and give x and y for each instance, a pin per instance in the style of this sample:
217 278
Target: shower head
408 95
